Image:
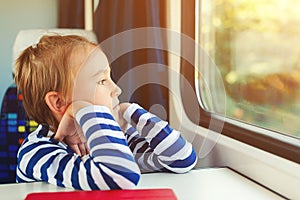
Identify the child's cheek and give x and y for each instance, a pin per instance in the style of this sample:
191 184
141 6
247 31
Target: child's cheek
84 91
103 98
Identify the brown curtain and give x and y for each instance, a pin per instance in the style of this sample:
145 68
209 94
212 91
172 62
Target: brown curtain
71 14
187 69
113 17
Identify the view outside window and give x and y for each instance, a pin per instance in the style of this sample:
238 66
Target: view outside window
256 46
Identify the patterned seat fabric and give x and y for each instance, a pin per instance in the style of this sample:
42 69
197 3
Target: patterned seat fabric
15 126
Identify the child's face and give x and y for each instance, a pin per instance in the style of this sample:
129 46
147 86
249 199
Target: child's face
92 80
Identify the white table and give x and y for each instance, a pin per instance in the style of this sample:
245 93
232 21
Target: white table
200 184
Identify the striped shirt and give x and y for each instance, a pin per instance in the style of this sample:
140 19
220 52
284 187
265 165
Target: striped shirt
116 160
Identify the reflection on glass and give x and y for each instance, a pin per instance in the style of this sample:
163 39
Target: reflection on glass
255 44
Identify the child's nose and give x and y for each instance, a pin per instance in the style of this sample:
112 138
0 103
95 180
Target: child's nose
117 90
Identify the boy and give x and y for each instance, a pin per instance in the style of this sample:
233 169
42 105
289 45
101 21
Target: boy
87 139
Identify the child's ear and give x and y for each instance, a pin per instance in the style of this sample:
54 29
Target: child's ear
56 102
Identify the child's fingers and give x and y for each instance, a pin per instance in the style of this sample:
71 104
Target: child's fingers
59 137
76 149
87 148
82 149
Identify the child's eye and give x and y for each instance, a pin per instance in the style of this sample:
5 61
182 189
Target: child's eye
101 82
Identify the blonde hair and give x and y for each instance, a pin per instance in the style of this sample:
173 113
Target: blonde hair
45 67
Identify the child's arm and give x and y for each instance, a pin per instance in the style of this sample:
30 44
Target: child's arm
110 164
155 144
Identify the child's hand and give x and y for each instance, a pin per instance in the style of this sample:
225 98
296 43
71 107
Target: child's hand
69 130
118 113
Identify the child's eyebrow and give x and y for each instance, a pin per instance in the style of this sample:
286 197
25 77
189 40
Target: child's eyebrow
107 70
97 73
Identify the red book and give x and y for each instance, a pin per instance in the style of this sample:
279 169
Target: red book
144 194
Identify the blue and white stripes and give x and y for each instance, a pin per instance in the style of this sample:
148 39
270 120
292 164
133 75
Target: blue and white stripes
115 159
156 146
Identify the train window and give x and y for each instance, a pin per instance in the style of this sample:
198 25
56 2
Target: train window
254 47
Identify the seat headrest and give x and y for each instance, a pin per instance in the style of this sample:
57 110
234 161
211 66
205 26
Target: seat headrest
26 38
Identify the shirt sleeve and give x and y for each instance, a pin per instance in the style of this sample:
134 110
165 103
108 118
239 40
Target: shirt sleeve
110 164
156 146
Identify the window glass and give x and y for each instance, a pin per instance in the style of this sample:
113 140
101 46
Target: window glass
255 46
